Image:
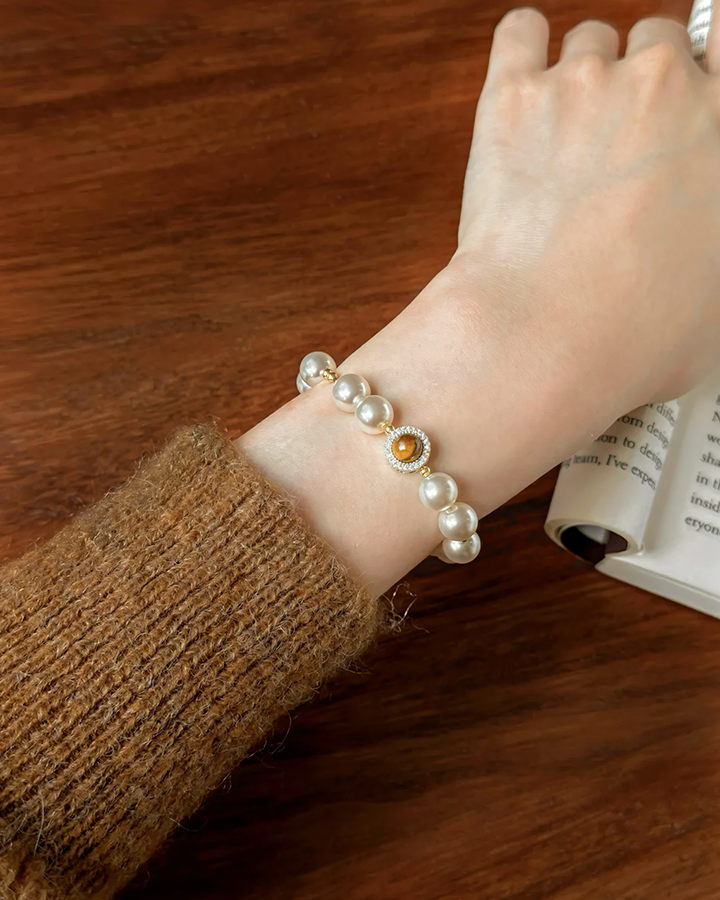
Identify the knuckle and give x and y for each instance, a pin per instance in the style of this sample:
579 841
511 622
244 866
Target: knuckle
661 56
585 71
592 25
660 63
505 94
658 27
510 99
659 79
521 16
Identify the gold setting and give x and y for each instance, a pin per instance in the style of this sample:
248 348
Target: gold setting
411 457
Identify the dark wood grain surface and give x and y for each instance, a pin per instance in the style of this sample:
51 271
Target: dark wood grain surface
192 195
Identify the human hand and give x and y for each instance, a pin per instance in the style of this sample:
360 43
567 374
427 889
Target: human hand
586 282
593 193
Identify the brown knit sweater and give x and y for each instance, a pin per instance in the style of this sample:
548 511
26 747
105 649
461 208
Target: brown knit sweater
145 651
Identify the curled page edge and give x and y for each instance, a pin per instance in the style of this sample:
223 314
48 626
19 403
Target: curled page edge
590 540
611 485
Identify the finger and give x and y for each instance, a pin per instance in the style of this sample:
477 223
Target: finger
520 45
656 30
591 39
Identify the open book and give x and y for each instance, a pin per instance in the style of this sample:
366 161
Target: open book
643 501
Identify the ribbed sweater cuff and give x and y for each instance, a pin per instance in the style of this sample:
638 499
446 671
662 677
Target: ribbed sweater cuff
145 651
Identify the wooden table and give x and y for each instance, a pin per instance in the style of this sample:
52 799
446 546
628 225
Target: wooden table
194 192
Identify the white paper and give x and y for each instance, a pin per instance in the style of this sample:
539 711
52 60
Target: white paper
699 26
612 484
681 555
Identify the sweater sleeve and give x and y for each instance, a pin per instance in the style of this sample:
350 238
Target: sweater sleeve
144 652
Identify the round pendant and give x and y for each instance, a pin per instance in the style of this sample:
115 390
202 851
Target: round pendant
407 449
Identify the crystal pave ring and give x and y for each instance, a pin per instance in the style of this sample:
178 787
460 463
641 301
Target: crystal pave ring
407 449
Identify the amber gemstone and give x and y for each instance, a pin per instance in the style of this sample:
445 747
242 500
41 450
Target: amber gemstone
407 448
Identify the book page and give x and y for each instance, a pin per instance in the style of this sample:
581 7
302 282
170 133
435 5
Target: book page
699 25
682 539
609 488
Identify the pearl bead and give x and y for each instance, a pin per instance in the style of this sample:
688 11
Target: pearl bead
348 391
313 364
438 491
439 553
373 413
462 551
301 385
458 522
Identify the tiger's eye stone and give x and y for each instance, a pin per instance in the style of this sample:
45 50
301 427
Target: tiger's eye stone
407 448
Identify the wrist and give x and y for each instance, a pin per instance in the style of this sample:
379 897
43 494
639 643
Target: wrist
455 364
472 363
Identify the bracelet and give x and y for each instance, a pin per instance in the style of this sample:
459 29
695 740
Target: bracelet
407 449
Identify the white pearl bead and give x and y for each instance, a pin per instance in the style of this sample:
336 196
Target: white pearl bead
458 522
349 390
439 553
462 551
313 364
373 413
438 491
301 385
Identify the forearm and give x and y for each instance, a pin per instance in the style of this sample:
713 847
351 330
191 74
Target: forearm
494 428
144 651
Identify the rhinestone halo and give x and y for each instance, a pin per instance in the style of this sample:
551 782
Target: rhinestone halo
417 464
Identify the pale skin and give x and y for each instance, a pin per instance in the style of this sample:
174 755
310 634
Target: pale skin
586 282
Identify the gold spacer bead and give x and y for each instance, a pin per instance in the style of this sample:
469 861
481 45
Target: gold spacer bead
425 471
329 375
388 429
